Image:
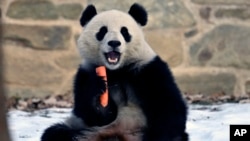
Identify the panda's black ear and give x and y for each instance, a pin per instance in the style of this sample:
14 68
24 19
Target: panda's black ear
139 14
87 15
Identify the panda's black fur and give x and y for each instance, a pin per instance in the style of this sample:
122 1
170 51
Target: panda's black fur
145 103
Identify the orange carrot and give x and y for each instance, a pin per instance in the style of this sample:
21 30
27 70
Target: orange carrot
101 71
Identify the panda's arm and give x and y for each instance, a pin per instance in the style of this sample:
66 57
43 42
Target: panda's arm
162 102
87 89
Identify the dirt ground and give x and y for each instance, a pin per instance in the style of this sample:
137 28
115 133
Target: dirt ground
66 101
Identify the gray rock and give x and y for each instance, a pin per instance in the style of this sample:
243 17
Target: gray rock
224 46
239 13
30 72
230 2
27 72
167 44
206 83
30 9
38 37
70 10
205 13
191 33
68 62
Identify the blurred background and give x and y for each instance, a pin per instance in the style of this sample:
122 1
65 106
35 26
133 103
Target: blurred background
205 42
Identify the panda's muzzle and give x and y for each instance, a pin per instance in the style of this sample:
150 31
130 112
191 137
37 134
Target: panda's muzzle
113 56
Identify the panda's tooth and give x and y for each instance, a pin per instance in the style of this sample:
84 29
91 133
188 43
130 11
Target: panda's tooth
112 60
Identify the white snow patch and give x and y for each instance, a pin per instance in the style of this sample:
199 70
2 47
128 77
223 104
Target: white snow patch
211 123
25 126
206 123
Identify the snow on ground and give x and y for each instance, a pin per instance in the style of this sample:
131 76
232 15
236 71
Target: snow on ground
206 123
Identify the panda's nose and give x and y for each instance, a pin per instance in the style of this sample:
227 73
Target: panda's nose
114 43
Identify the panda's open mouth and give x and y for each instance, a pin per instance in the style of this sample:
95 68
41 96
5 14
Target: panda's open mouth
113 57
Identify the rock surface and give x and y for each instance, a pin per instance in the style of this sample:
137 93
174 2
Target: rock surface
239 13
224 46
30 9
202 40
43 10
163 13
206 83
229 2
167 45
70 11
38 37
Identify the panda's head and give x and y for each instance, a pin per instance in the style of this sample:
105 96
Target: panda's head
114 38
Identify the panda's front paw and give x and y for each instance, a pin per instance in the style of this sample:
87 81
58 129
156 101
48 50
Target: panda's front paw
105 115
101 85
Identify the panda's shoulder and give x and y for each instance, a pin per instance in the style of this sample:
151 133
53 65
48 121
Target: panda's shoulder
155 64
157 70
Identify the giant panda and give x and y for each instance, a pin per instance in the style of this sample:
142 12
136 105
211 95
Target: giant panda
145 103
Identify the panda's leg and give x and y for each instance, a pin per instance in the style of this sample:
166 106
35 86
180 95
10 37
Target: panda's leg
60 132
87 90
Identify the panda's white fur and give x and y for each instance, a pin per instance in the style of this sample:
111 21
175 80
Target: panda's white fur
145 104
92 51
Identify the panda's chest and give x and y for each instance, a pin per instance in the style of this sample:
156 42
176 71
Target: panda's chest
122 90
130 115
128 126
130 121
119 93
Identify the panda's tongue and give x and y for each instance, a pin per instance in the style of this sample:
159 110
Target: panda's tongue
113 57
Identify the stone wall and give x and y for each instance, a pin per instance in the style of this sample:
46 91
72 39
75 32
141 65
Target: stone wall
206 43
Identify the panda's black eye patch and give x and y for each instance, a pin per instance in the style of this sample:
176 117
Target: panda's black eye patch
125 34
101 33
